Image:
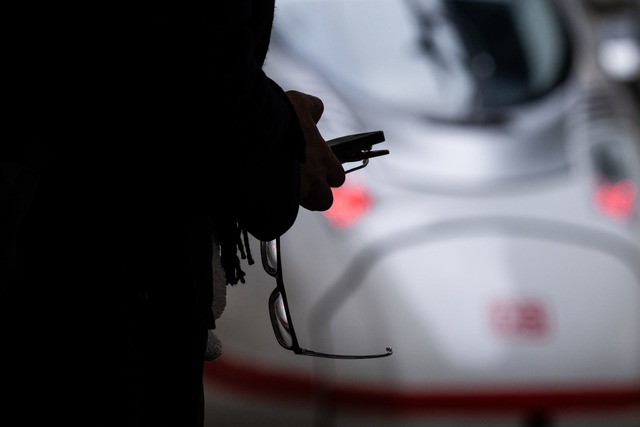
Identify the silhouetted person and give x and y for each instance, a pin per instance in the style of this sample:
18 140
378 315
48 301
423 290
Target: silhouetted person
146 135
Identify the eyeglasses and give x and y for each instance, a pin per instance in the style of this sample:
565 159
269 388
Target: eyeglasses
279 308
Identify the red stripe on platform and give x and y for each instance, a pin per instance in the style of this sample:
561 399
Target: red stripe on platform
269 383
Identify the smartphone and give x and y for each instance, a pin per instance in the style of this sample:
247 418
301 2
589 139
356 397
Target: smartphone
358 146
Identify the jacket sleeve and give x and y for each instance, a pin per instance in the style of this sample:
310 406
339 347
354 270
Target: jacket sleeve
232 132
243 133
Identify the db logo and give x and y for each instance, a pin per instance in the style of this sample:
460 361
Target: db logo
519 318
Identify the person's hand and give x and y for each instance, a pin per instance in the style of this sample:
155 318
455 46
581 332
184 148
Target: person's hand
321 170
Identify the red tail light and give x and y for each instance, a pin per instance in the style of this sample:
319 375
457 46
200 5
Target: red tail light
350 203
617 200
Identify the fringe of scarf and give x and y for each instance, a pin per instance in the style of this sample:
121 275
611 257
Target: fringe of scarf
231 245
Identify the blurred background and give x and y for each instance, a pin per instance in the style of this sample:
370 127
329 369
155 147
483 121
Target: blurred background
496 248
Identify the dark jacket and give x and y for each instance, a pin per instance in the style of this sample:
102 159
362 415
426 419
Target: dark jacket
151 127
152 118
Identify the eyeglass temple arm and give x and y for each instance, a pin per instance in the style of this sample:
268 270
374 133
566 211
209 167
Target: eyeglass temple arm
305 352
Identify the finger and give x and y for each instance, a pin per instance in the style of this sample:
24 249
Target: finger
336 176
320 199
306 105
316 107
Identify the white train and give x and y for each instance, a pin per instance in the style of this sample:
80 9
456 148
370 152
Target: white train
496 249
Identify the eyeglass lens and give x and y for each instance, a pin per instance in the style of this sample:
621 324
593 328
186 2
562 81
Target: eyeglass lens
280 320
269 253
